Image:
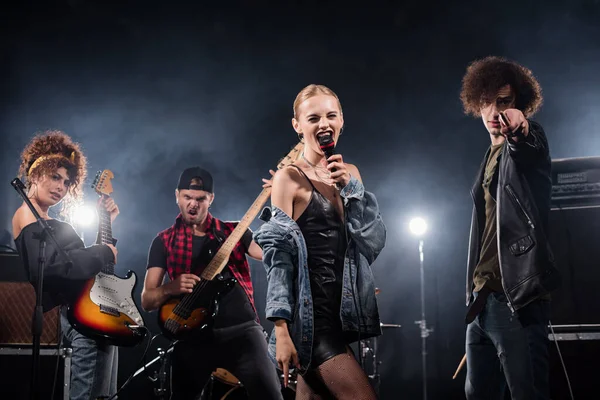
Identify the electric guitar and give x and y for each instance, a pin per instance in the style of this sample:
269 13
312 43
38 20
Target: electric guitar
105 307
190 316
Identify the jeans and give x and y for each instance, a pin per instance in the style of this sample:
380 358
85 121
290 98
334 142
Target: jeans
93 364
506 349
240 349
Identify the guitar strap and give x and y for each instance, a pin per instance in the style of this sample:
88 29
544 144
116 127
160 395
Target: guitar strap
218 231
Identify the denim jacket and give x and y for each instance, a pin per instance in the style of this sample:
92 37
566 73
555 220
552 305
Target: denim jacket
288 290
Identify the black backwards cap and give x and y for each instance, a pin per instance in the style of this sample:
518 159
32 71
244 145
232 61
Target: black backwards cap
205 180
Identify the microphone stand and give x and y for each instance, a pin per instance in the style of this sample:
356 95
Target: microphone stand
423 324
369 346
161 375
38 313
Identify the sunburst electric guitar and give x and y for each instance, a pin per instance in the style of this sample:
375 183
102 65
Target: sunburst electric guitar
105 307
191 315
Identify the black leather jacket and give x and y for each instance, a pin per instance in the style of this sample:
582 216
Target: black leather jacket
523 186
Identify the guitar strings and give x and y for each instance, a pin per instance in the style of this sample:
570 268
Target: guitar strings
189 299
106 236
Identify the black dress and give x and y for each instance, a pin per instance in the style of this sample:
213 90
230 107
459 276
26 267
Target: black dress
324 232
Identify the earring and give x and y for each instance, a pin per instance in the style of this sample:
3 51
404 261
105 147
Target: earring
300 136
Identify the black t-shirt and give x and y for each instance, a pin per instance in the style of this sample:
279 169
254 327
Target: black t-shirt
234 307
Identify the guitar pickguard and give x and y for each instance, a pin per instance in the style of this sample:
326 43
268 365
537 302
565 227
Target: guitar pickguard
113 295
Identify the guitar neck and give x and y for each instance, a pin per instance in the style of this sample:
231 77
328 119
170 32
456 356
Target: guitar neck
219 261
105 234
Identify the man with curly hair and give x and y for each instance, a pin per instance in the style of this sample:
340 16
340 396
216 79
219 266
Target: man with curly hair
53 168
510 270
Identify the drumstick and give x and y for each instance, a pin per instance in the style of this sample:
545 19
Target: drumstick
462 364
228 392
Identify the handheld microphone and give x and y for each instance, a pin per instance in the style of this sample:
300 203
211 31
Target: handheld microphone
327 146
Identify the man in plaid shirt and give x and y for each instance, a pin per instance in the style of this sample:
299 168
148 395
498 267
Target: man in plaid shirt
238 343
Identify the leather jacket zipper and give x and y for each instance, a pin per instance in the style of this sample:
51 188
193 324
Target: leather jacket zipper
517 203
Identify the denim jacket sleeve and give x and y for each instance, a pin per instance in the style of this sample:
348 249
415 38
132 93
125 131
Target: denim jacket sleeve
279 254
365 225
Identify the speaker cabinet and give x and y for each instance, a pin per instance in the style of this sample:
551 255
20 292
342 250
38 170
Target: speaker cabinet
574 235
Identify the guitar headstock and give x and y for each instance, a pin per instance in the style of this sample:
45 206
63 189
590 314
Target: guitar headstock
102 182
292 156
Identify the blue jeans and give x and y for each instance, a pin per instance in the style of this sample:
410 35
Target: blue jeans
506 349
93 365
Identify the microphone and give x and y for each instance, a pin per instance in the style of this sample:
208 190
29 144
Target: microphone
327 145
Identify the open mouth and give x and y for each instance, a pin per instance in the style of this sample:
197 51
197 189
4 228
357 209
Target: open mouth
325 133
193 212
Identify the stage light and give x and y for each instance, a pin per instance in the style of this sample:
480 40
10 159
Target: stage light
84 216
418 226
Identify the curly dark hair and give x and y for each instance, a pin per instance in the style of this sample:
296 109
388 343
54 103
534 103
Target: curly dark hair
485 77
59 151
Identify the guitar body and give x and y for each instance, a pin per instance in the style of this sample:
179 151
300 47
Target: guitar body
105 308
187 317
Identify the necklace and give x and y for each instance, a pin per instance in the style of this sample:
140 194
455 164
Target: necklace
319 170
311 164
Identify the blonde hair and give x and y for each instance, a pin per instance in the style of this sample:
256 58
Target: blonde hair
311 91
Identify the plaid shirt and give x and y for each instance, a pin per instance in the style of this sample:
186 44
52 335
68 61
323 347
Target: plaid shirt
178 243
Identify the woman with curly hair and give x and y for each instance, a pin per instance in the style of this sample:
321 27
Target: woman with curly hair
510 265
53 169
